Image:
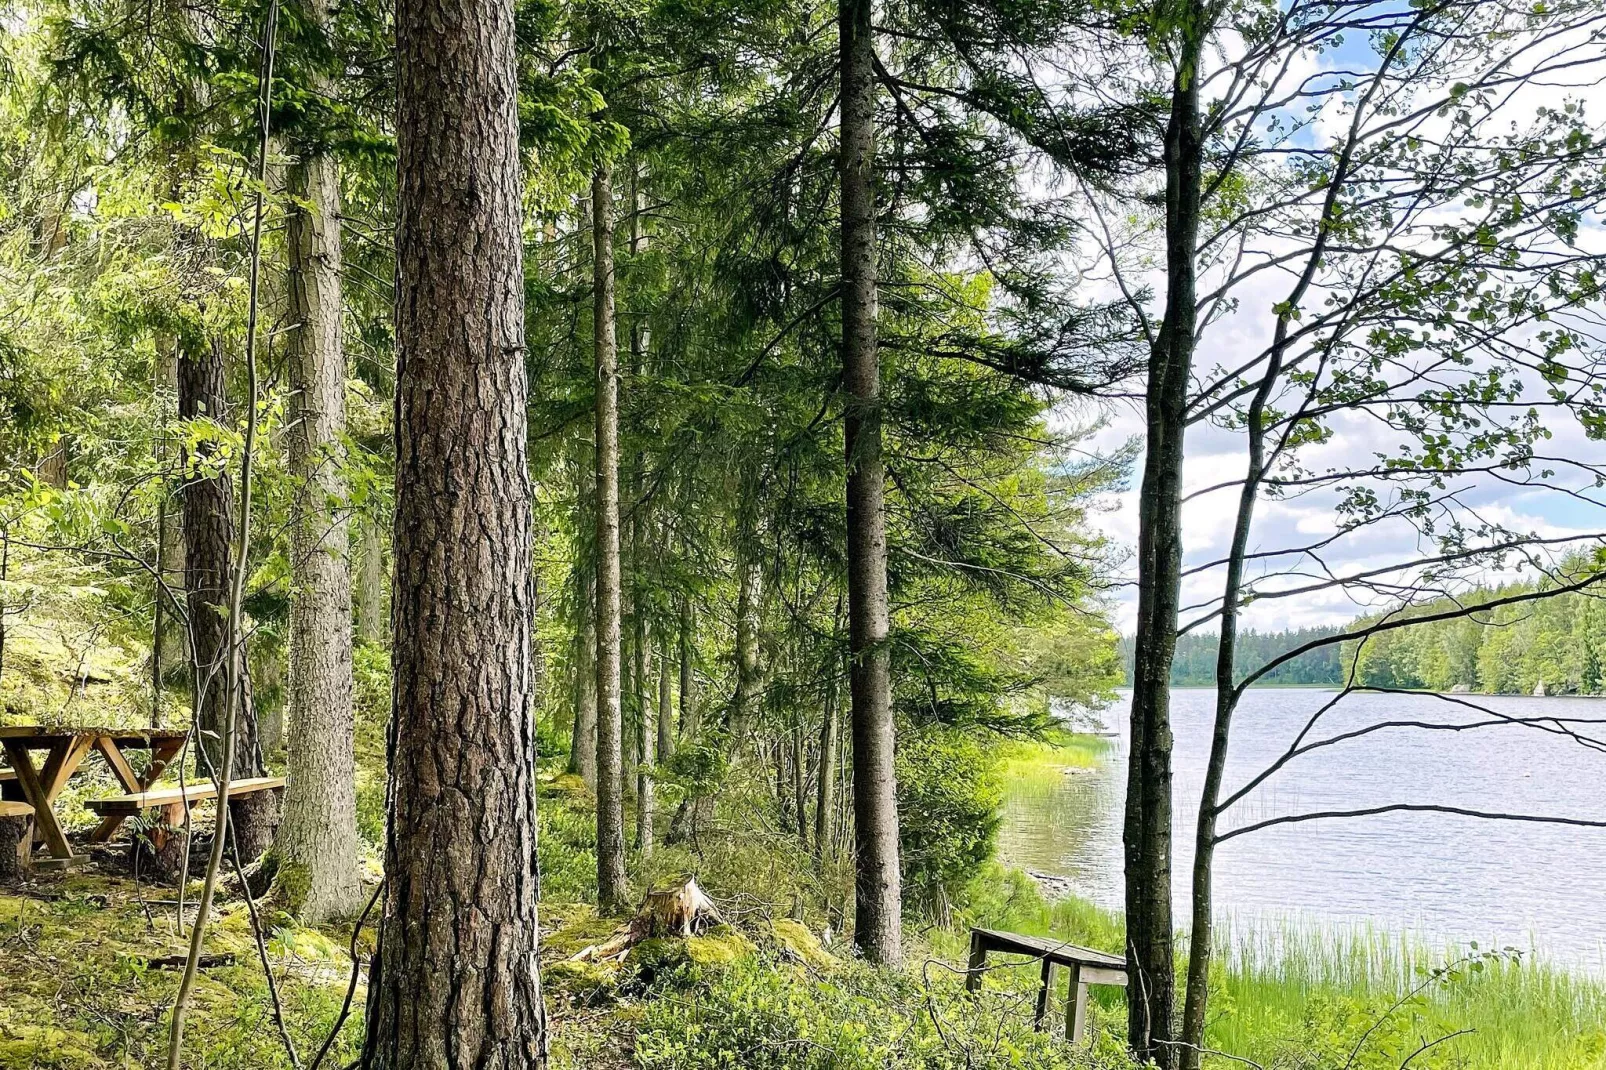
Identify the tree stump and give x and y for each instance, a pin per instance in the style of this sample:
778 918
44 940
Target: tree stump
156 848
683 909
16 843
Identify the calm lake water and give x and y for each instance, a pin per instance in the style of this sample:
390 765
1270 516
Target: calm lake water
1451 879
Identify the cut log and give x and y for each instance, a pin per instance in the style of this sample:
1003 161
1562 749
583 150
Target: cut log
177 962
683 909
16 838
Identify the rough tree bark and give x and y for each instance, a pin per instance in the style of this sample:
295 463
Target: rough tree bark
583 742
455 981
318 836
1147 830
611 889
208 495
373 603
878 926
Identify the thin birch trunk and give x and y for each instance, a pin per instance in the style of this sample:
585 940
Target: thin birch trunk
1147 832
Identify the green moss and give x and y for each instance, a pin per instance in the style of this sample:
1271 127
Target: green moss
291 881
588 983
576 927
566 785
719 947
38 1047
796 941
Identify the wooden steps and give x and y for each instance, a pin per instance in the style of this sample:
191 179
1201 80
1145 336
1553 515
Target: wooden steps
162 796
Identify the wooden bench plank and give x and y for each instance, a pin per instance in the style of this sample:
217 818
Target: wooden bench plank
1085 965
8 808
1059 951
173 794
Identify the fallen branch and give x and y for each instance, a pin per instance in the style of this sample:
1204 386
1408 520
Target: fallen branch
178 962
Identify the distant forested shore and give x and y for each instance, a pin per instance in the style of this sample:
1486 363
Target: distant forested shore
1554 646
1195 664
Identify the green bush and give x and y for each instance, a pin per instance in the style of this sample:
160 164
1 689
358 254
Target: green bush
949 797
371 710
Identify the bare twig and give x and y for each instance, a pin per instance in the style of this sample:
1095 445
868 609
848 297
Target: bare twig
232 696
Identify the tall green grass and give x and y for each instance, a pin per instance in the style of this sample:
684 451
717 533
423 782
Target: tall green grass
1285 984
1046 760
1295 995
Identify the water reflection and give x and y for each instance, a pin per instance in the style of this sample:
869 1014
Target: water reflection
1449 877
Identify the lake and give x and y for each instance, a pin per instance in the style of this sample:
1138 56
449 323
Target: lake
1449 878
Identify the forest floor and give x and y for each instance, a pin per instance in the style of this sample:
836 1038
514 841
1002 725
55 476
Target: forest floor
87 979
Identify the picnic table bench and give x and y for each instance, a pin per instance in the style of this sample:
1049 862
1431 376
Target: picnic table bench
65 749
170 801
1085 965
32 790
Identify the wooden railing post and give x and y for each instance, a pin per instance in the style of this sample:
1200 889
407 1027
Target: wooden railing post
978 961
1076 1007
1042 992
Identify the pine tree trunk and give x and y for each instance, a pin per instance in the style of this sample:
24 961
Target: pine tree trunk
748 598
800 783
646 735
878 923
1147 829
208 579
690 719
666 706
827 774
583 742
611 889
456 980
318 835
373 593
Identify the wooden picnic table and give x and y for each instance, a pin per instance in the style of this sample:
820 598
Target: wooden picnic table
65 747
1085 965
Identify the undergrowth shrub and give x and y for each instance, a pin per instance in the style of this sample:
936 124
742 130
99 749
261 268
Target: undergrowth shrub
566 843
949 799
762 1014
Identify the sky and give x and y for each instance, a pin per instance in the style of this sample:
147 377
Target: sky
1567 505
